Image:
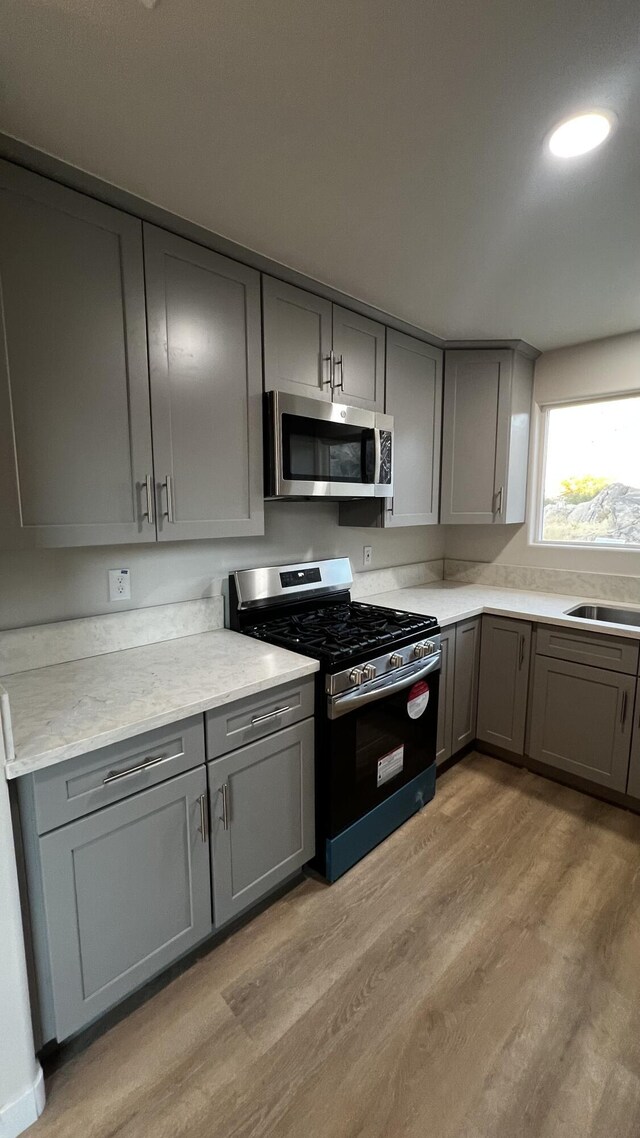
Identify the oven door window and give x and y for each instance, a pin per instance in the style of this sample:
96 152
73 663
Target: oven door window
380 747
318 451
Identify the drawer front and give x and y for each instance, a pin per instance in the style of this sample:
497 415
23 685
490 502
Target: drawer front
237 724
79 786
580 647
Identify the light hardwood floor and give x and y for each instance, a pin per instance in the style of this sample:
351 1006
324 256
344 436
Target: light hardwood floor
477 976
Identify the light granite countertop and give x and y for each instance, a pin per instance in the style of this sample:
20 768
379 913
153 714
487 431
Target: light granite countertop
451 601
56 712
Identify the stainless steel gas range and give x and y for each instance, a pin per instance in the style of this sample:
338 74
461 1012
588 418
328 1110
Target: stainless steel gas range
376 698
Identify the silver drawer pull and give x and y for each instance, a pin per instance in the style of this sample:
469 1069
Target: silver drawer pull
269 715
152 761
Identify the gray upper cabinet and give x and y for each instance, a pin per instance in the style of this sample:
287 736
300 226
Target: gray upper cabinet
262 817
75 434
358 345
313 347
581 719
297 340
126 891
414 398
465 683
487 412
504 682
203 314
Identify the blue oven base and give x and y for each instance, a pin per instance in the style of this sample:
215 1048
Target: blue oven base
343 851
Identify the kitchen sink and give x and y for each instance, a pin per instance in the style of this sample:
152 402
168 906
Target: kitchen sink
607 614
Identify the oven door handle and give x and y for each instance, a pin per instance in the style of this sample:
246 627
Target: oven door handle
378 689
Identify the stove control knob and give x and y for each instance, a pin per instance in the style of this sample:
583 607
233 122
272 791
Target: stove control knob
356 676
421 650
370 671
396 660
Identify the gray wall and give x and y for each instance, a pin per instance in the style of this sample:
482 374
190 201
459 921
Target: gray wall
37 586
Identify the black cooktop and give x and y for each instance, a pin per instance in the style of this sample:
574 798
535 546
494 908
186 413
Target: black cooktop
338 633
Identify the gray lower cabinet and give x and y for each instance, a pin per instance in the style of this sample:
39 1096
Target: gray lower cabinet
262 817
444 743
504 682
458 691
205 361
633 782
465 684
581 720
75 431
126 891
485 437
297 333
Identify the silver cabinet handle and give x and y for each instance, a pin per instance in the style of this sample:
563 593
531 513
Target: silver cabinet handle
152 761
203 828
269 715
521 657
623 709
499 496
149 490
330 360
224 790
339 363
168 486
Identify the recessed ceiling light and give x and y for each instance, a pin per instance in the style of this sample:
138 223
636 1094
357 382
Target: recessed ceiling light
580 134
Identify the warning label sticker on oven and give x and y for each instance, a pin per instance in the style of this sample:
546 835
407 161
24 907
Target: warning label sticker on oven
418 699
390 765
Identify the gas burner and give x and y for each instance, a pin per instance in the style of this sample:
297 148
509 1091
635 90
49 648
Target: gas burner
336 633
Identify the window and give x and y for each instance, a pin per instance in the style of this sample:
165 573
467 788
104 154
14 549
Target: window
590 477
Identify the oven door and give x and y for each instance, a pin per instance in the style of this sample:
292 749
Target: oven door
315 449
380 737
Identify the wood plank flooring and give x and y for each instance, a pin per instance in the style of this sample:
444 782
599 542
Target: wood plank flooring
477 976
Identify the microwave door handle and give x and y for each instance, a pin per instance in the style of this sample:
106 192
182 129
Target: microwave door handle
338 706
377 455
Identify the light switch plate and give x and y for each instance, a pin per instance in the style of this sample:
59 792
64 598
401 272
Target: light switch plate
367 554
119 585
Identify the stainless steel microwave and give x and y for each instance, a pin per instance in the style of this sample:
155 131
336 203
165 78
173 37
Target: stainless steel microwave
315 449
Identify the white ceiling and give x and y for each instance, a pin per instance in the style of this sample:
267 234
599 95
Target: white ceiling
391 149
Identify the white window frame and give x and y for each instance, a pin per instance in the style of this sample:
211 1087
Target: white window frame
539 463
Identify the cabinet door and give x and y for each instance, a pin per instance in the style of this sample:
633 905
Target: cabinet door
475 388
413 395
581 720
126 891
504 682
465 685
445 695
633 784
262 817
358 344
206 384
75 431
297 340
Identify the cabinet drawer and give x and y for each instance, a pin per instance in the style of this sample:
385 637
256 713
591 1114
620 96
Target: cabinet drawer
581 647
79 786
237 724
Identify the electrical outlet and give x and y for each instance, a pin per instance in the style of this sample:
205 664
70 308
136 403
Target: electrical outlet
367 554
119 585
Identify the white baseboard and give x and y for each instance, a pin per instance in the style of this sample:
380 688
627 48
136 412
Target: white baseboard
16 1117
